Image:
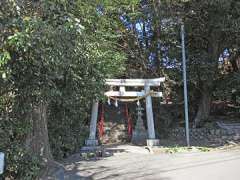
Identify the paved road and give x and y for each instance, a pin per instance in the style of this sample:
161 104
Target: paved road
135 163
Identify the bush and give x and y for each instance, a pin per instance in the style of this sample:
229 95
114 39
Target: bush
55 53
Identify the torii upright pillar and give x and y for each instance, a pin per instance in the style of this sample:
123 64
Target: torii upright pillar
92 141
149 112
151 141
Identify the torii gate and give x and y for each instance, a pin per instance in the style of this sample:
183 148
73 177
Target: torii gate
146 93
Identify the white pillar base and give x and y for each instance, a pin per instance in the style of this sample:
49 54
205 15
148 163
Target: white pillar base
153 142
91 142
90 145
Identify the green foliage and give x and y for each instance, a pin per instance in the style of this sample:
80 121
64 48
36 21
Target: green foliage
21 164
59 53
211 27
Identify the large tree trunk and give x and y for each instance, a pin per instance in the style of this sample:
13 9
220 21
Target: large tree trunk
38 141
204 106
214 51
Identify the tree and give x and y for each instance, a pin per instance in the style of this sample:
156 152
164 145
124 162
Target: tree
54 56
153 39
211 27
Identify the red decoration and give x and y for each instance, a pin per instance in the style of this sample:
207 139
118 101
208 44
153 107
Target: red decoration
129 121
101 122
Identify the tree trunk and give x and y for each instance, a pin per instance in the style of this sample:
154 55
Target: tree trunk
204 107
157 34
37 140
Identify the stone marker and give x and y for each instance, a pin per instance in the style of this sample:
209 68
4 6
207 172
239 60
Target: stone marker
139 135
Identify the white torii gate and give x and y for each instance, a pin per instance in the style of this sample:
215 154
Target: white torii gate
146 93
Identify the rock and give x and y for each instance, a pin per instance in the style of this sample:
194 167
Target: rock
224 137
212 131
218 132
236 137
230 132
232 143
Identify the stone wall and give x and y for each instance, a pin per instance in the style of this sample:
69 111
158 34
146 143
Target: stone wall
201 136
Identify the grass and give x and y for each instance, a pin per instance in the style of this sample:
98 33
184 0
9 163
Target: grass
179 149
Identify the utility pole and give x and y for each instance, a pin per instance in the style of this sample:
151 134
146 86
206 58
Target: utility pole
185 84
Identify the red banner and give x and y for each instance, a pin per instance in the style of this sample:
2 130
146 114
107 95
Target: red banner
129 121
101 122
